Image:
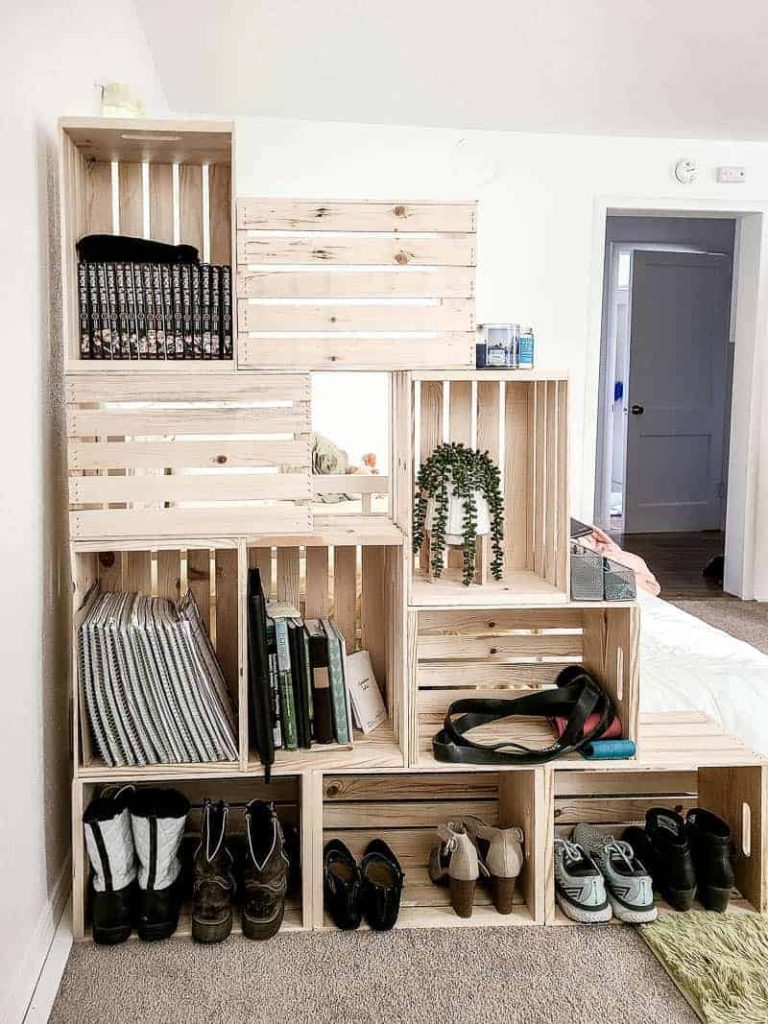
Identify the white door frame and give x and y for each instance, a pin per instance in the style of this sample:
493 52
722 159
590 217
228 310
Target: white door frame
746 549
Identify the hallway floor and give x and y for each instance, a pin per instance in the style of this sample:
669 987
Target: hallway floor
677 561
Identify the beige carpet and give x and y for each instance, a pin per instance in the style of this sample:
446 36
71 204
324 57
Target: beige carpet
603 975
746 620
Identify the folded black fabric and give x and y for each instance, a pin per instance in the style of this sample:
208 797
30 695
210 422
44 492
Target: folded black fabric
575 697
125 249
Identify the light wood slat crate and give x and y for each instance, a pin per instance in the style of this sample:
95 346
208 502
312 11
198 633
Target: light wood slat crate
614 800
291 798
362 590
213 569
358 285
508 652
169 180
520 418
404 809
178 457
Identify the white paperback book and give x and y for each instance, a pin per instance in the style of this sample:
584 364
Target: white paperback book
367 703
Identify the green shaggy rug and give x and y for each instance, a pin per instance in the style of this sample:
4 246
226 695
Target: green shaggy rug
718 961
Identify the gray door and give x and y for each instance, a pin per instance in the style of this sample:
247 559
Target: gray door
677 387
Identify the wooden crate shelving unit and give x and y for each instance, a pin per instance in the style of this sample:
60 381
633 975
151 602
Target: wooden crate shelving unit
185 474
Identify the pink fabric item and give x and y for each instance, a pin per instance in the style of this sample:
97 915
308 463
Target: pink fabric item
600 542
613 731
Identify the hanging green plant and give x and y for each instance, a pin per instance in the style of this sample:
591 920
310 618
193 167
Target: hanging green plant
454 472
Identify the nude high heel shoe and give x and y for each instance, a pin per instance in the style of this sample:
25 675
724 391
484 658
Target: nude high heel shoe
453 861
500 856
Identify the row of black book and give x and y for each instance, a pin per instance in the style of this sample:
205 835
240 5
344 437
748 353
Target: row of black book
155 311
299 678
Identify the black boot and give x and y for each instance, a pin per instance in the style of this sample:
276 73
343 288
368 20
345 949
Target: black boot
710 839
671 861
214 883
265 875
109 842
158 817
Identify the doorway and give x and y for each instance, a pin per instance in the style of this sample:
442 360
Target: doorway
665 395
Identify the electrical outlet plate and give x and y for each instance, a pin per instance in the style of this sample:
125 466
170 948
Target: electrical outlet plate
731 175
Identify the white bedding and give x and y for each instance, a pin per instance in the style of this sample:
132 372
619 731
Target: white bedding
686 664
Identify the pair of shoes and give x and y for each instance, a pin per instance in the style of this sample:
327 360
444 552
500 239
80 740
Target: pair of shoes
470 850
598 877
371 890
687 857
133 839
264 880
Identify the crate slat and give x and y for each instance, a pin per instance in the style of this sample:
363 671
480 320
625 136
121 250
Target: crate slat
334 215
440 282
445 315
373 352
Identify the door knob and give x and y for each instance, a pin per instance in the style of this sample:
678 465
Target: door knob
638 410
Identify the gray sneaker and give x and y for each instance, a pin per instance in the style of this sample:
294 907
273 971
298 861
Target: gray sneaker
630 889
579 886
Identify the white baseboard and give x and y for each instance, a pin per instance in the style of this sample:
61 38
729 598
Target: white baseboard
35 958
41 1004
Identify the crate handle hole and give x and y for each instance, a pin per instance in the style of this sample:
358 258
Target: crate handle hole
620 674
746 829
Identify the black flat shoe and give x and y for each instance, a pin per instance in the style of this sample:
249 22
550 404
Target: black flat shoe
341 885
382 885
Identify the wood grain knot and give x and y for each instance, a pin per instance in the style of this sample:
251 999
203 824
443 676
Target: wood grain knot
333 789
333 319
493 650
399 211
221 459
107 559
491 625
401 258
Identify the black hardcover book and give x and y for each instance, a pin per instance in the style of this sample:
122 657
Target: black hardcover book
178 318
205 308
157 302
130 311
186 309
84 311
93 305
197 325
141 310
215 312
321 681
149 310
114 334
226 313
299 670
122 312
167 299
106 337
261 725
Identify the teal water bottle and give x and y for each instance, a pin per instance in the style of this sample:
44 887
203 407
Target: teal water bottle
525 350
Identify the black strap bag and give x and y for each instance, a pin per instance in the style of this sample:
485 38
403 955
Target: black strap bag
574 697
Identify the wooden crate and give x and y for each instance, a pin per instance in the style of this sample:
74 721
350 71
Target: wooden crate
212 570
362 589
173 457
520 419
613 800
168 180
404 809
510 651
290 795
355 285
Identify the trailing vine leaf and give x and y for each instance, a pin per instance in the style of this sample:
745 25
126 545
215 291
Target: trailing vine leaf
453 468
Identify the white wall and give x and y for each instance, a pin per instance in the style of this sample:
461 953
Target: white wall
51 54
541 234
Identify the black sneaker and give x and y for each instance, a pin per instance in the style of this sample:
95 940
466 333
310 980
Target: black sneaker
341 886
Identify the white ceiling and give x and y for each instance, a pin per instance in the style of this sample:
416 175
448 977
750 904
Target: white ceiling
691 68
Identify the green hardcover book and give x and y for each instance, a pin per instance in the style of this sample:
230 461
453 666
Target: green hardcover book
338 702
285 685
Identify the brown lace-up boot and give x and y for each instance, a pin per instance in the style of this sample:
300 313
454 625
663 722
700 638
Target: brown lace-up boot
214 883
265 875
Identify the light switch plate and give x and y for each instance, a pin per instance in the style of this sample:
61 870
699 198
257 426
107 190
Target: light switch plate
731 175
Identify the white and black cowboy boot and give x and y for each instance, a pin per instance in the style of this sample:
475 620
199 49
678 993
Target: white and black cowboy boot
214 882
109 841
265 875
158 818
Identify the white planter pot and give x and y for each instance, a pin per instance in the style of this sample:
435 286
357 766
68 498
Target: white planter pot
454 529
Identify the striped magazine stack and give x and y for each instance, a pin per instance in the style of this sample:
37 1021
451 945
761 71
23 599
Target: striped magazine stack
151 683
